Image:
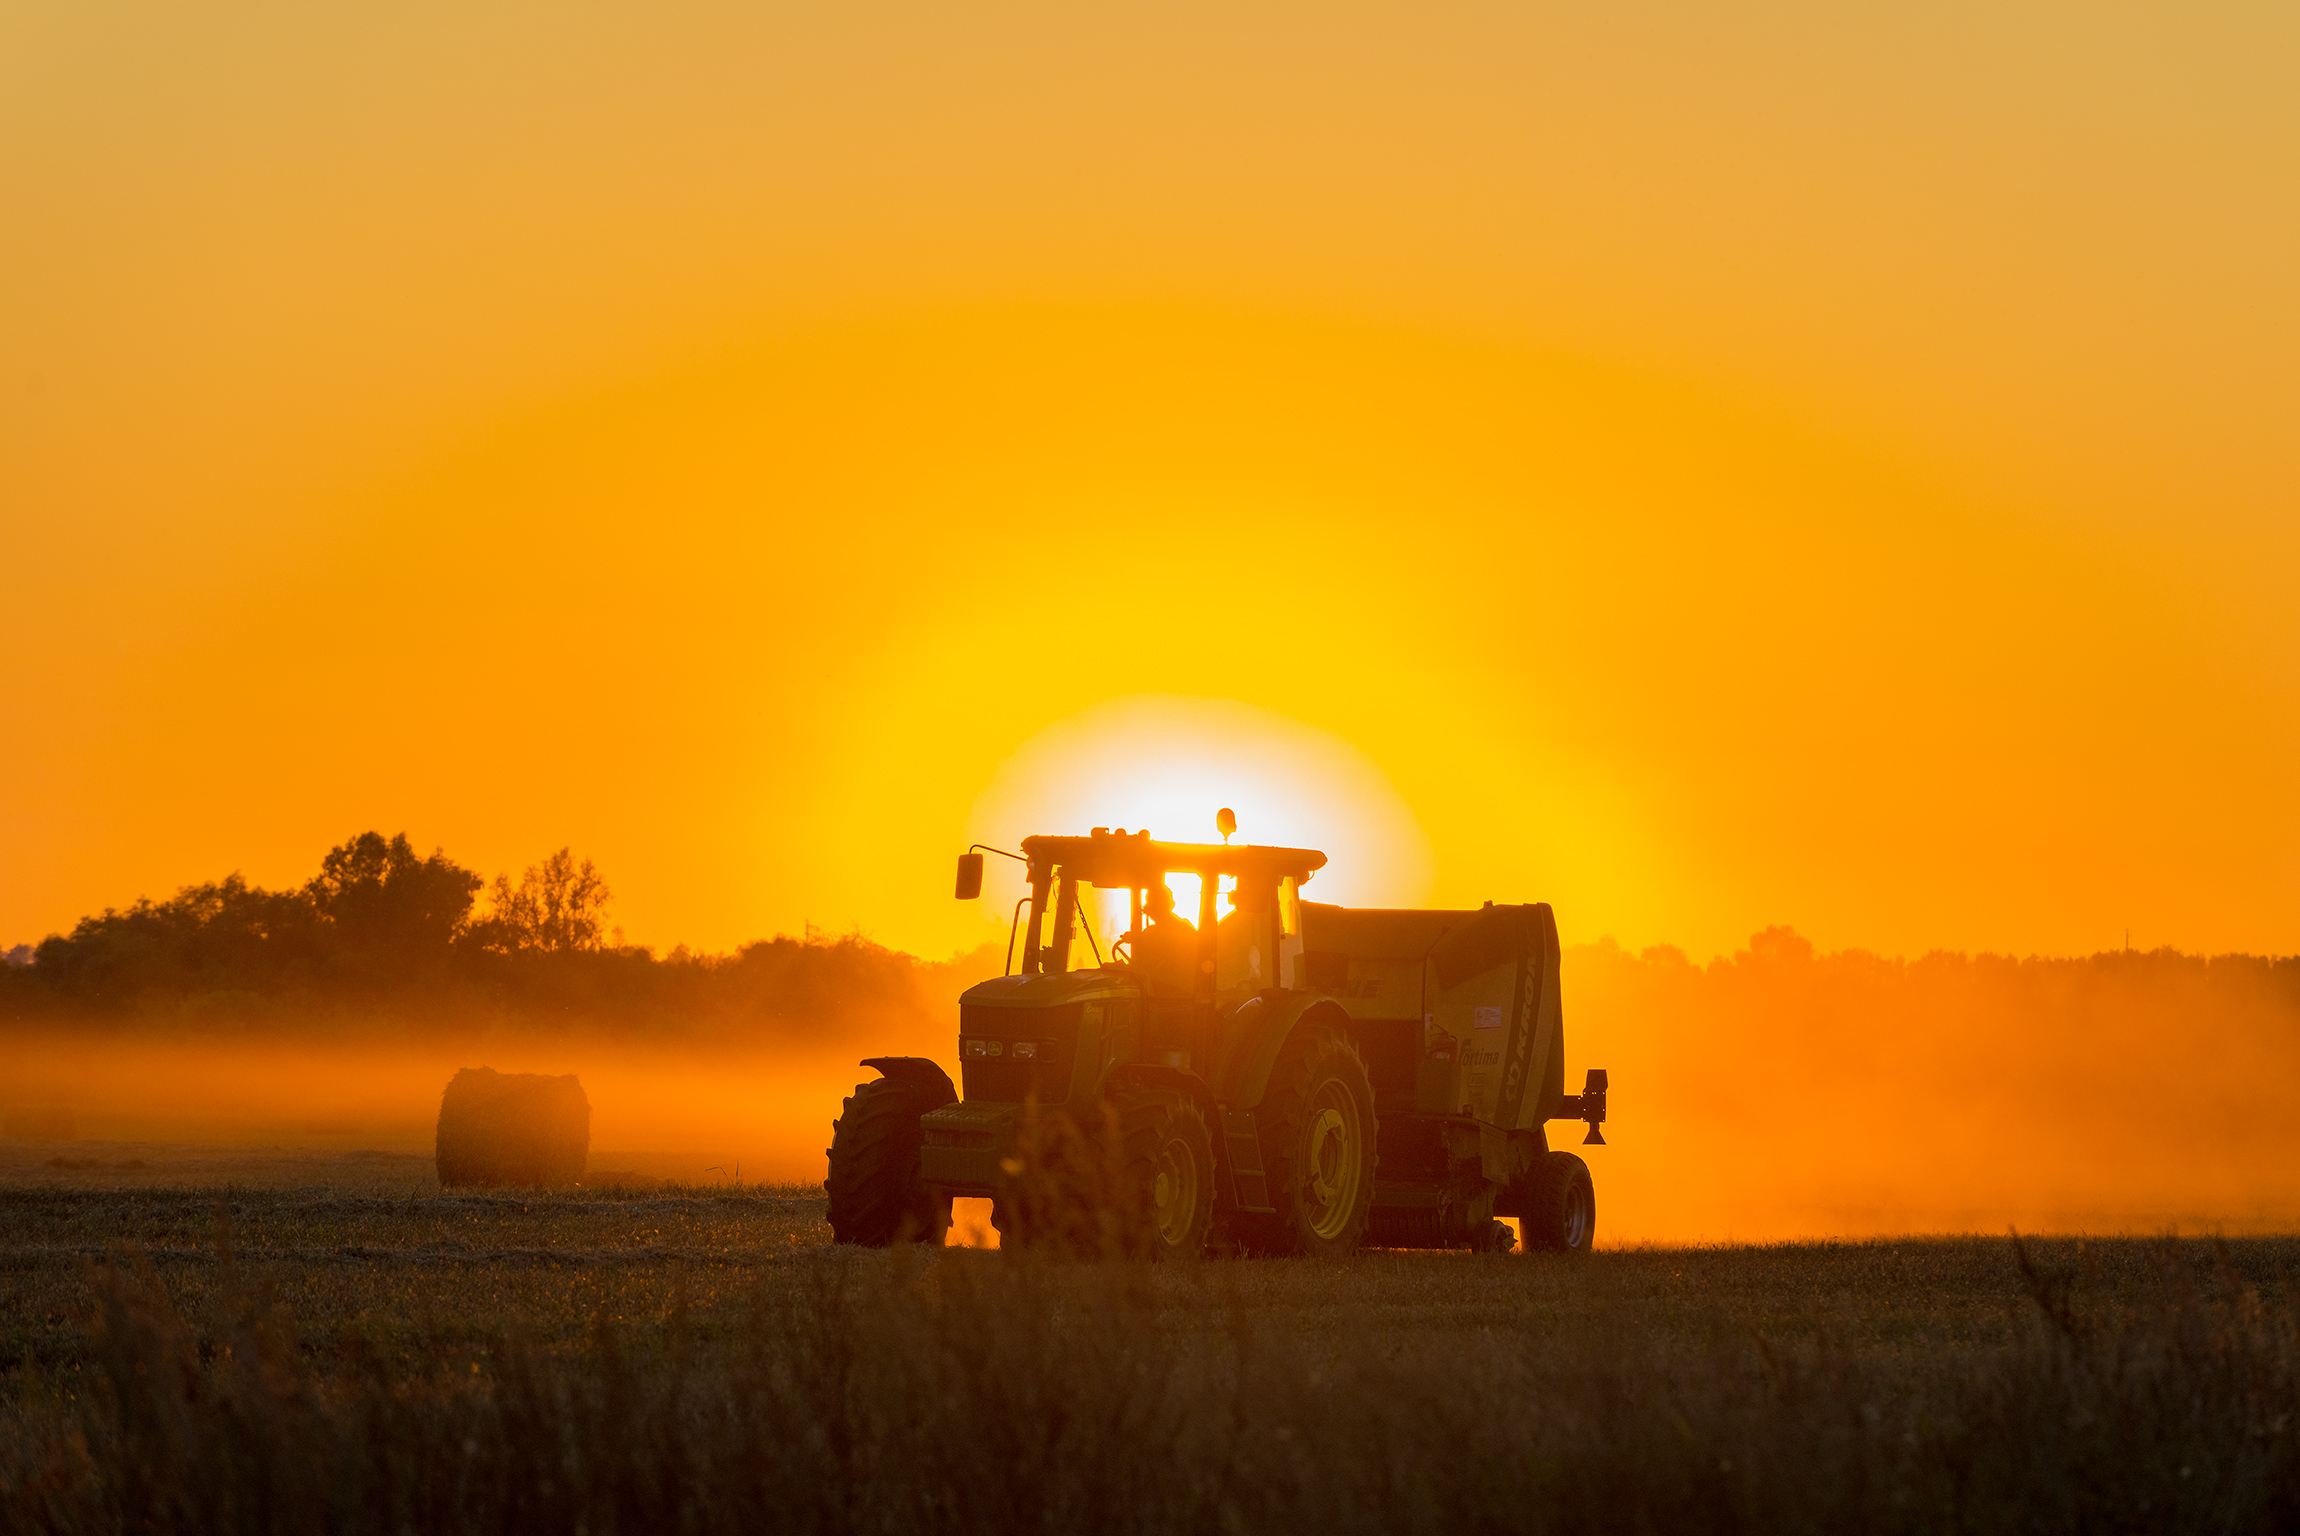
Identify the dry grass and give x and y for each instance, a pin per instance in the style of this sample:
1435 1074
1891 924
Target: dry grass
697 1360
395 1278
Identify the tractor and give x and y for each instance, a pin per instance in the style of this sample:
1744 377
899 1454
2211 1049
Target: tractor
1283 1077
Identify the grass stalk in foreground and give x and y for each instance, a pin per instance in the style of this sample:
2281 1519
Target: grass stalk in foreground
970 1391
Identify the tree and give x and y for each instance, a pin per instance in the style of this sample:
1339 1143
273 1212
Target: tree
223 936
558 907
381 899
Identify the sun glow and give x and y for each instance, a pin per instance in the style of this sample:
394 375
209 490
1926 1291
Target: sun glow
1166 764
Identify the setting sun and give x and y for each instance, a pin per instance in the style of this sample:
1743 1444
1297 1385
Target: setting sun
1165 764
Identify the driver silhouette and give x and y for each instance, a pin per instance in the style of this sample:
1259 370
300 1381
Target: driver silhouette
1165 951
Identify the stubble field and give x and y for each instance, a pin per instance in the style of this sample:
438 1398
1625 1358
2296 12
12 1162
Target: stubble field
242 1341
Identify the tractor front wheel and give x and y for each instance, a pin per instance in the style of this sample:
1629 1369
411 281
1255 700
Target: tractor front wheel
1318 1145
1169 1173
876 1196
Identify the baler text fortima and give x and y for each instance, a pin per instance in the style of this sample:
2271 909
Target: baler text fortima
1285 1077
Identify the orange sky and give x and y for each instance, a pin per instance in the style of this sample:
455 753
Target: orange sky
1814 465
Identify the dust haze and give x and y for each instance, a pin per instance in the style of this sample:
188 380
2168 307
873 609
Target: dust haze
1775 1092
660 1113
1780 1093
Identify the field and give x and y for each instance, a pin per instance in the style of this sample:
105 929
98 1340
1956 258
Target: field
328 1342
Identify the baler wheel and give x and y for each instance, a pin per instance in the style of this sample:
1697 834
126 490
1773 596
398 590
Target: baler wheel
876 1198
1560 1206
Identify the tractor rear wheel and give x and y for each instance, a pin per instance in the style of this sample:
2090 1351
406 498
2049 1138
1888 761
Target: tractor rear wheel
876 1196
1318 1136
1169 1173
1560 1205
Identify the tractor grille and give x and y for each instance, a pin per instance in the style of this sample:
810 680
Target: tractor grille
989 1066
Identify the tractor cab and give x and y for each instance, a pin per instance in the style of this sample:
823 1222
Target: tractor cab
1076 881
1099 985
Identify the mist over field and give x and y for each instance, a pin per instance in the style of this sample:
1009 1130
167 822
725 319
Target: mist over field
1775 1092
1778 1092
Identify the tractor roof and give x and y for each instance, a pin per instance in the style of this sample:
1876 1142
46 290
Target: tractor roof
1117 859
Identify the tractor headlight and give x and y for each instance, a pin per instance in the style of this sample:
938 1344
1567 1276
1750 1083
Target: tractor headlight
974 1048
1026 1050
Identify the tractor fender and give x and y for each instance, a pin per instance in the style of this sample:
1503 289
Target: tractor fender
1258 1031
914 1069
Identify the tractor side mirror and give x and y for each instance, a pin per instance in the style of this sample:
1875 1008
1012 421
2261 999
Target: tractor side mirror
969 876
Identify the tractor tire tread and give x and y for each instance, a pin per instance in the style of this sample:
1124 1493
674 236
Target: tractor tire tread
876 1197
1280 1118
1144 1120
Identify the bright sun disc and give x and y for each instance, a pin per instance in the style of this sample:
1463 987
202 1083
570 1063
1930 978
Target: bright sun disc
1167 764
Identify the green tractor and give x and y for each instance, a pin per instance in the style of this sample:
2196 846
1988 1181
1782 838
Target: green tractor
1284 1077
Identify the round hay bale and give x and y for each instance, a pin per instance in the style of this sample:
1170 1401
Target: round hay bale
512 1128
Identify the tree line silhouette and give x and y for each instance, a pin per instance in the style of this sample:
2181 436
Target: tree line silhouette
384 937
